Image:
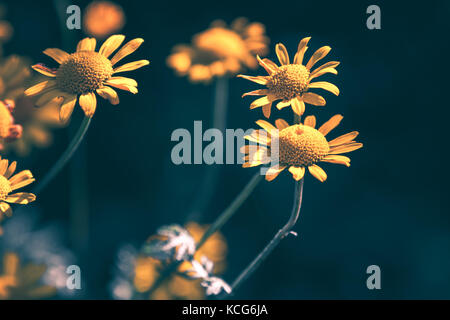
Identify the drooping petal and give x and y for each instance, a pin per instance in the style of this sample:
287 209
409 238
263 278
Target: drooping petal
273 172
260 102
11 169
259 137
330 124
88 103
298 106
281 124
349 147
310 121
326 86
109 93
322 72
111 44
330 64
314 99
259 92
266 126
302 47
40 87
44 70
21 198
318 55
268 67
317 172
67 108
87 44
297 172
282 54
343 139
266 110
123 83
130 47
270 63
332 158
132 66
45 98
259 79
57 54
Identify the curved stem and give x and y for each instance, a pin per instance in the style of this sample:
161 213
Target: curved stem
281 234
220 221
65 157
208 185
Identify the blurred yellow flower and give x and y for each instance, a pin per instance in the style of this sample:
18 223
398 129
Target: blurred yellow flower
220 50
291 82
147 269
6 30
300 146
103 18
14 72
10 183
17 282
9 130
86 72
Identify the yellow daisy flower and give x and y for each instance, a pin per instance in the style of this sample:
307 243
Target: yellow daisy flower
14 72
17 282
86 72
291 82
220 50
103 18
10 183
9 131
300 146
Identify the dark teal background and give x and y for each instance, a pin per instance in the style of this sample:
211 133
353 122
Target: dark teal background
390 208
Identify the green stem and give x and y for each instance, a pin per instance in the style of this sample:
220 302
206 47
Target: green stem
281 234
65 157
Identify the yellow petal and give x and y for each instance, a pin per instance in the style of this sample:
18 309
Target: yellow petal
111 44
87 44
21 176
270 63
326 86
259 79
44 70
268 67
57 54
332 158
5 209
343 139
259 92
313 99
318 55
273 172
132 66
322 72
317 172
330 124
298 106
21 198
88 103
283 104
48 96
297 172
260 102
110 94
349 147
22 184
302 47
266 126
281 124
282 54
127 49
11 169
3 166
123 83
67 108
310 121
266 110
330 64
40 87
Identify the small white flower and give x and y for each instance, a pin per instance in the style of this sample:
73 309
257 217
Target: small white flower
215 285
177 243
200 270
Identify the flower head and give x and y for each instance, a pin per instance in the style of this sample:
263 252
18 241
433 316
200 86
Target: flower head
220 51
300 146
9 130
86 72
215 285
103 18
10 183
291 82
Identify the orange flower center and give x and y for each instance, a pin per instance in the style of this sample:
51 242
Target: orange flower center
83 72
301 146
289 81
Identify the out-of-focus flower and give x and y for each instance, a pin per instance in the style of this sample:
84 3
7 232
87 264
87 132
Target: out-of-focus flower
291 82
215 286
300 146
103 18
6 30
22 282
86 72
146 270
14 72
220 50
10 183
171 241
9 130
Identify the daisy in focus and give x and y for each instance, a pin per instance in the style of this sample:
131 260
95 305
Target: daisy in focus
220 51
10 183
82 74
103 18
291 82
300 146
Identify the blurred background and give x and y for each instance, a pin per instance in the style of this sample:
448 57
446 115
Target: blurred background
387 209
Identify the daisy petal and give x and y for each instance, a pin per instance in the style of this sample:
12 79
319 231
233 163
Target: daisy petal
266 110
44 70
110 94
40 87
3 166
322 72
270 63
297 172
273 172
21 176
281 124
260 102
283 104
132 66
317 172
310 121
343 139
332 158
130 47
87 44
259 79
22 184
5 209
259 92
302 47
21 198
349 147
88 103
266 126
318 55
298 106
57 54
330 64
282 54
330 124
67 108
111 44
123 83
11 169
268 67
314 99
326 86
